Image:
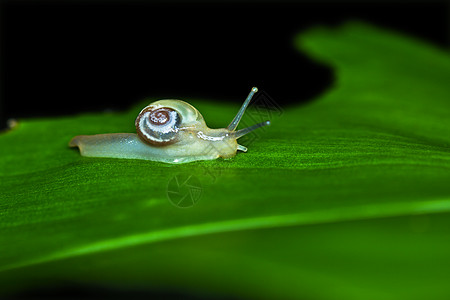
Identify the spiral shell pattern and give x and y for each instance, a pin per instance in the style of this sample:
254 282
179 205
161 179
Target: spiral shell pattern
158 126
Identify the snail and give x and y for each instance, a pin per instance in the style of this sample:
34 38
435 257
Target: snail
170 131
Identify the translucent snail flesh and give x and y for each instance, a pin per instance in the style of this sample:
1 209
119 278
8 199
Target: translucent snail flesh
170 131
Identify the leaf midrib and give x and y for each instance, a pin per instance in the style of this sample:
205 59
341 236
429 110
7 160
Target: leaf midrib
364 212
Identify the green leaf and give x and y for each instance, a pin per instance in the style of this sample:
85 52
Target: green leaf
347 197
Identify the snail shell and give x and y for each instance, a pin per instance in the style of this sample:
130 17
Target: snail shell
159 123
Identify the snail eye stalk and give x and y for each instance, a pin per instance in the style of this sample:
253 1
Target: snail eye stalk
234 124
242 132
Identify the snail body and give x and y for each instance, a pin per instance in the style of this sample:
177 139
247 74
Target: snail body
170 131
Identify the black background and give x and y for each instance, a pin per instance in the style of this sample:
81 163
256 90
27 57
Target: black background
62 58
